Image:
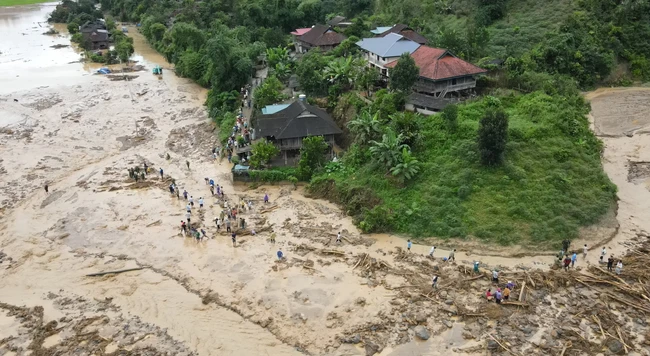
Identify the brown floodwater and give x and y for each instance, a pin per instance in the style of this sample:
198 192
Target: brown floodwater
28 61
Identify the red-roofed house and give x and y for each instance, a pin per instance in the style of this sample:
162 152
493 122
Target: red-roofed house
441 72
296 34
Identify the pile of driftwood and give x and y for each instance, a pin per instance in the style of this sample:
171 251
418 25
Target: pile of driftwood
370 264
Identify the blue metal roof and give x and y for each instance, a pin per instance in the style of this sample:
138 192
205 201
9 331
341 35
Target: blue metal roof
272 109
391 45
381 29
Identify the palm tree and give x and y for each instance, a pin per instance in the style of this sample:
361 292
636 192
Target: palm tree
365 127
407 168
277 55
282 71
339 71
388 150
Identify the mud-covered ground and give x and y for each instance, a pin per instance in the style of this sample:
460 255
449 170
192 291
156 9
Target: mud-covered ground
362 297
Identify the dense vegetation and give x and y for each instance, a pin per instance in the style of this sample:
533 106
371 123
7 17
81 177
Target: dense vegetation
551 181
538 180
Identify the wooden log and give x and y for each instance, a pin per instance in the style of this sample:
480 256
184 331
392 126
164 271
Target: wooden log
618 331
474 278
114 272
521 304
502 345
602 332
333 252
523 287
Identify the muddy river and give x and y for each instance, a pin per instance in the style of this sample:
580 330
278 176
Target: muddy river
78 133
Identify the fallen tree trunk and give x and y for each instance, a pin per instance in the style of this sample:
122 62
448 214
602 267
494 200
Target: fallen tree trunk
114 272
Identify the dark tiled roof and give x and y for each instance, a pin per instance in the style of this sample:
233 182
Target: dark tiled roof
298 120
427 101
322 35
407 32
92 26
336 20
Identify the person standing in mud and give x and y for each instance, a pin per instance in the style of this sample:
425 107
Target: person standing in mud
565 245
183 228
188 208
185 194
266 198
188 215
178 193
584 252
218 222
142 176
434 283
619 267
603 253
227 225
338 238
161 173
610 263
574 258
233 237
212 190
567 262
495 277
171 188
146 168
191 200
432 251
47 189
452 255
200 202
188 164
280 254
476 270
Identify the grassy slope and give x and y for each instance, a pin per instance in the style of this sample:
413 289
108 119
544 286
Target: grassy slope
551 183
526 23
21 2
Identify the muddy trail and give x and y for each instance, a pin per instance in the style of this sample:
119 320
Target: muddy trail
180 296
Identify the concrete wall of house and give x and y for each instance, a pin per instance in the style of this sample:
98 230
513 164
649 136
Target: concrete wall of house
414 108
377 61
424 85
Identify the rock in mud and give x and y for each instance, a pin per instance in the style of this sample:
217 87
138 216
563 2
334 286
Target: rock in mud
354 339
492 345
615 346
421 332
372 348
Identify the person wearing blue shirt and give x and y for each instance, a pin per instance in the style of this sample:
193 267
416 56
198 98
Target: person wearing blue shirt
408 245
280 254
574 258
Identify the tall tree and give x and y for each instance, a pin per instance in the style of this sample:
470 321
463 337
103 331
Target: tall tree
404 74
365 127
263 151
270 92
312 156
492 136
388 151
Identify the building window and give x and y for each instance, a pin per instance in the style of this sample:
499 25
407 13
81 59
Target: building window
453 81
383 59
377 57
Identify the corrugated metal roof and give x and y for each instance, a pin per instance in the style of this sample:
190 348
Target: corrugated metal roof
272 109
391 45
381 29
